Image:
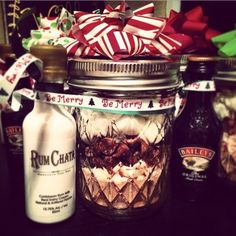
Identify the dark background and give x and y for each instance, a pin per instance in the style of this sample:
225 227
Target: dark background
221 13
13 10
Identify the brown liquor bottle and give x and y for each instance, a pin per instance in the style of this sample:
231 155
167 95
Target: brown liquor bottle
12 126
196 135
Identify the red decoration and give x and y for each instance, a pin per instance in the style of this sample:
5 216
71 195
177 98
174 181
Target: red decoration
121 32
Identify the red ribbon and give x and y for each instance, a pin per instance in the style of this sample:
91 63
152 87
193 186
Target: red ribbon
121 32
194 30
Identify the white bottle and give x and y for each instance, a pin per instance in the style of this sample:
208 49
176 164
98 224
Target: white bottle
49 133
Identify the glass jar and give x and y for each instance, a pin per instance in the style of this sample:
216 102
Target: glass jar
124 134
225 106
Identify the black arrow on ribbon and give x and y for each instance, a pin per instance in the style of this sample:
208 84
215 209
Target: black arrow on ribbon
150 104
37 95
91 102
3 92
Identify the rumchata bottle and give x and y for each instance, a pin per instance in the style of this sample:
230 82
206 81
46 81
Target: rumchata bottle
49 133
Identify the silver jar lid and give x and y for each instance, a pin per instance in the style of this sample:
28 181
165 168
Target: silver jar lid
226 70
123 75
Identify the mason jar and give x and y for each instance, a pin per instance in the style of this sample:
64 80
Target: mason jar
124 133
225 106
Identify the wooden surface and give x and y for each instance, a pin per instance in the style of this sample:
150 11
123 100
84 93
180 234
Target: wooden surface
214 217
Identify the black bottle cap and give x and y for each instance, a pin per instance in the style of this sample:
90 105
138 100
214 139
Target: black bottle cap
5 50
200 68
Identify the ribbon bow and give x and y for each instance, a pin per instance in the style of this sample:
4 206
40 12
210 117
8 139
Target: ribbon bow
191 29
50 30
226 43
121 32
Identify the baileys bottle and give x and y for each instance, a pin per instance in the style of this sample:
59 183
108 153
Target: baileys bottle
196 134
12 123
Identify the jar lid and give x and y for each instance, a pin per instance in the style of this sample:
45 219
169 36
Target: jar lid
123 75
226 70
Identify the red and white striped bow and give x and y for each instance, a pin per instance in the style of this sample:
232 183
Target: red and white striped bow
120 32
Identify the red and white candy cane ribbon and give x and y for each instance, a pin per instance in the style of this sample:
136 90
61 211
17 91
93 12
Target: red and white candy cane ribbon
114 44
117 33
10 79
177 33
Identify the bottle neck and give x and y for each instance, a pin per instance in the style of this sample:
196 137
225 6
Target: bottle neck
43 107
24 82
50 87
47 87
197 99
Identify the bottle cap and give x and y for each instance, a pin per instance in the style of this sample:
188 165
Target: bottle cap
54 62
6 51
201 58
200 68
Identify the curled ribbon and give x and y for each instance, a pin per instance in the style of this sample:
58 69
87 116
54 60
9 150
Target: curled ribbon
11 77
121 32
191 29
226 43
51 29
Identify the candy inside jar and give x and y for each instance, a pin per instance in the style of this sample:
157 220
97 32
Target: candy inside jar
225 106
124 136
122 159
